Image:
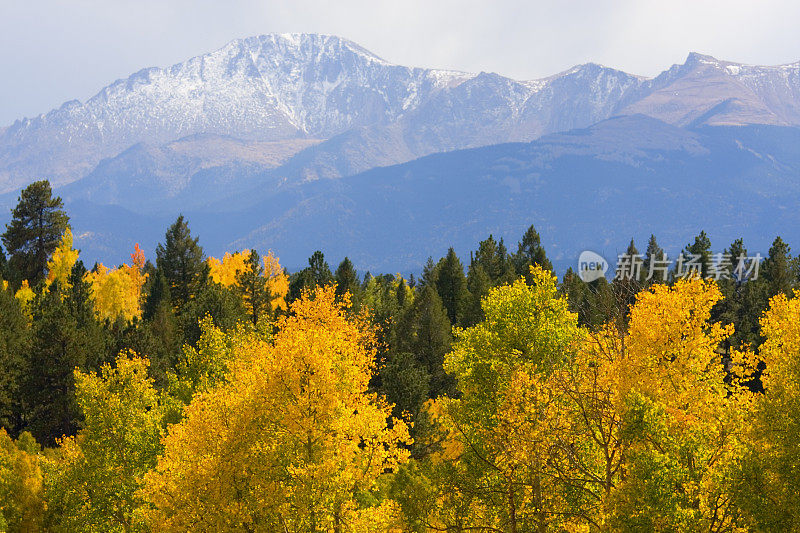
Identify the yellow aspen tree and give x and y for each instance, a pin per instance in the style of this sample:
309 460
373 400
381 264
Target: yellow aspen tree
683 422
291 441
225 271
118 292
277 281
770 481
59 267
22 504
25 296
94 478
507 426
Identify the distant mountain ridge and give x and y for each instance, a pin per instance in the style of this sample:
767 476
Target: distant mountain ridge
252 135
309 86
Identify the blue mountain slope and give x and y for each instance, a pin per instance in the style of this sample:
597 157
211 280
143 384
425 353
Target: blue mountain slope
592 189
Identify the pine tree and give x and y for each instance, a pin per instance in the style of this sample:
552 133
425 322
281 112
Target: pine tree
252 285
35 230
530 252
701 250
182 262
451 284
157 295
49 389
493 257
479 284
14 350
346 278
3 262
778 270
652 255
316 274
425 332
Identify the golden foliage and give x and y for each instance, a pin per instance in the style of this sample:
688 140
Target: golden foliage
289 439
61 262
118 292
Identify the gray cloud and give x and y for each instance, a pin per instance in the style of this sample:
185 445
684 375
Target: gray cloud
57 50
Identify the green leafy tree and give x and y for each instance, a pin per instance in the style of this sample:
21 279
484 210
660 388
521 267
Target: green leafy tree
35 230
93 483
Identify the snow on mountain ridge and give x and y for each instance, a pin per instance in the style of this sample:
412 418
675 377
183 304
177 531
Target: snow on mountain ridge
279 87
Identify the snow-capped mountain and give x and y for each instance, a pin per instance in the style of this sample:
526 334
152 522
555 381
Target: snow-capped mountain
323 106
281 87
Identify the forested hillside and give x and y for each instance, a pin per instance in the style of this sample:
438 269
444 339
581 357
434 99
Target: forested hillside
183 392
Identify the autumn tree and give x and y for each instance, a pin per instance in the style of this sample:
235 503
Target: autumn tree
22 503
37 224
682 420
291 441
252 285
117 293
93 482
769 478
503 432
59 267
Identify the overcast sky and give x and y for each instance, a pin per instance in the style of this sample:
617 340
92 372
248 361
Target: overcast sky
57 50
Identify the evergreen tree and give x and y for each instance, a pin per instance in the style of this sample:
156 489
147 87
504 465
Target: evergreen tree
320 271
3 261
157 295
252 285
451 284
346 278
425 331
478 284
530 252
429 273
779 270
652 255
182 262
700 250
14 350
317 273
35 230
494 259
49 388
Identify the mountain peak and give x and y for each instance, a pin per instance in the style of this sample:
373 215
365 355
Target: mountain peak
696 58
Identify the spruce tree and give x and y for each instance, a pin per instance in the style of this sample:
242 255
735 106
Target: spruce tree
35 230
252 285
157 295
701 250
451 284
14 351
478 284
779 270
652 256
530 252
425 331
181 260
346 278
